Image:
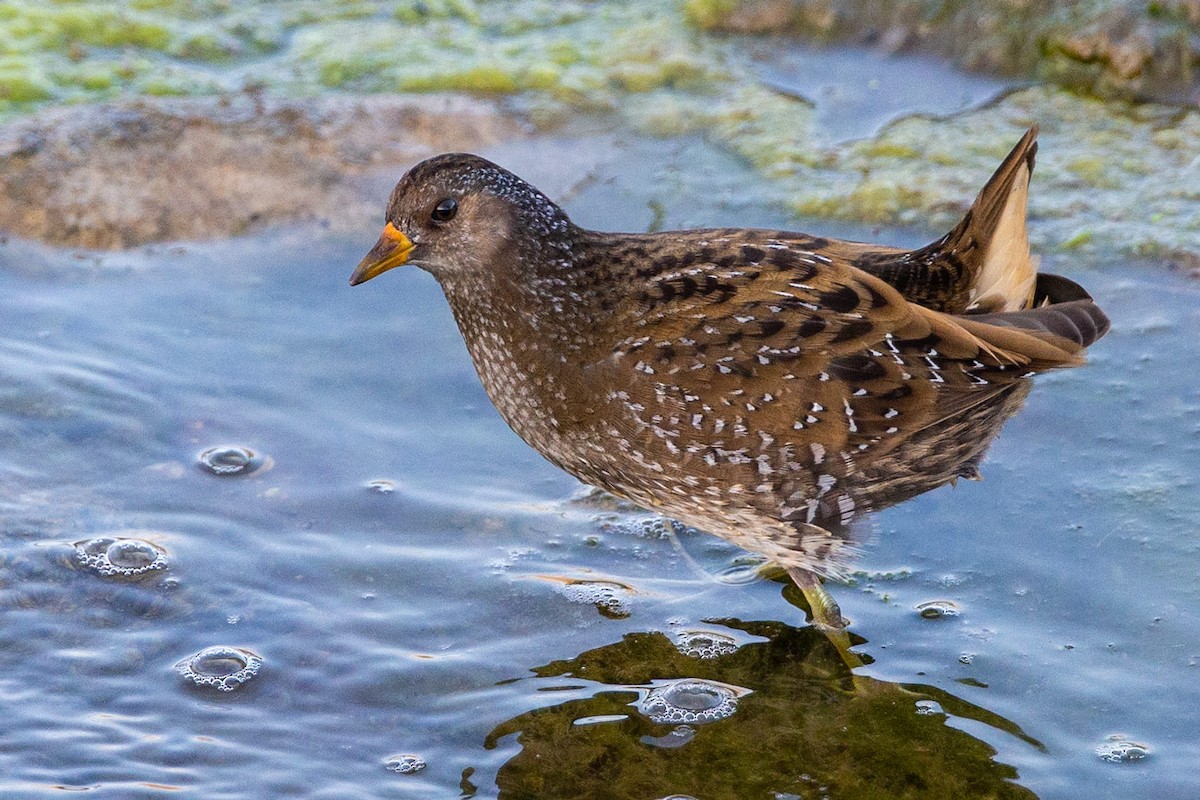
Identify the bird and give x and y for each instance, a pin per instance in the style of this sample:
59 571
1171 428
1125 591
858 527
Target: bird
765 386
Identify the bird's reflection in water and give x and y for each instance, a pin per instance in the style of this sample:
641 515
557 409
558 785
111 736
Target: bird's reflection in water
802 724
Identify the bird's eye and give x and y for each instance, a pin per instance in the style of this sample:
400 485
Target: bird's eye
445 210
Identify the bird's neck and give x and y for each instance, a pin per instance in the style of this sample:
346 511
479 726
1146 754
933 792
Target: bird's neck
548 305
532 326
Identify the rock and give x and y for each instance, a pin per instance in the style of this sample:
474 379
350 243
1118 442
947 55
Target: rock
125 174
1109 48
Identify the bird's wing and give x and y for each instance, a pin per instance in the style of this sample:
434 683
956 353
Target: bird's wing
785 326
788 370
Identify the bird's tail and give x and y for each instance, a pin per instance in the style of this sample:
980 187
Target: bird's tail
983 264
991 240
1047 336
1061 310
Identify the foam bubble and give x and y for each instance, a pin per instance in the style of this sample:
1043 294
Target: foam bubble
640 527
227 461
691 701
119 556
652 528
609 597
1120 749
222 667
928 708
938 609
404 763
381 486
705 644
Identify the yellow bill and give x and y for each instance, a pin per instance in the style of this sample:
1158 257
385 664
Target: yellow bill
391 250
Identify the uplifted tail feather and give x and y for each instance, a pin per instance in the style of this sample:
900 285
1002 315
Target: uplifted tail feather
992 239
1052 334
983 264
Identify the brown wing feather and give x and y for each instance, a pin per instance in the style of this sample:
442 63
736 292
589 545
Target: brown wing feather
792 382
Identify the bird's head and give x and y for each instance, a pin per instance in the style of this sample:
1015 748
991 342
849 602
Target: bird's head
461 216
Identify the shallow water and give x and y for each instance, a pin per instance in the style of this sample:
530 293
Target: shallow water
855 91
422 587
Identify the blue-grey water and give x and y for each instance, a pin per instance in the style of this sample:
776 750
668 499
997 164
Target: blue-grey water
855 91
518 640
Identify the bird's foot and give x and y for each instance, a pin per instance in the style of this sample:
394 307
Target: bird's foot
826 615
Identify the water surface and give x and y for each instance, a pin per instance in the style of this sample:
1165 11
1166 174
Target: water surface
420 583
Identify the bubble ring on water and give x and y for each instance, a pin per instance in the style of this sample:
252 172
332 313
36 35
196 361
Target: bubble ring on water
704 644
120 556
1121 749
938 609
228 461
404 763
691 701
733 575
209 667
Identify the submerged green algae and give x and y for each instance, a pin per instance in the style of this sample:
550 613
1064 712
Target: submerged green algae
582 53
809 729
585 58
1113 177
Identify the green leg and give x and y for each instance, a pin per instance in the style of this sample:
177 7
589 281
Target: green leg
825 613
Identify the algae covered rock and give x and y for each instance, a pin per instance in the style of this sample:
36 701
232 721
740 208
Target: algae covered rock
1113 48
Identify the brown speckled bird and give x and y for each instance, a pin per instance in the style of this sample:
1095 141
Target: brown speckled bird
765 386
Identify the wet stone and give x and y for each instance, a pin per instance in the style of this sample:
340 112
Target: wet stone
928 708
123 557
404 763
227 461
221 667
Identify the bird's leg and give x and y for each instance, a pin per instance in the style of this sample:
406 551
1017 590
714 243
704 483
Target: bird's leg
825 613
